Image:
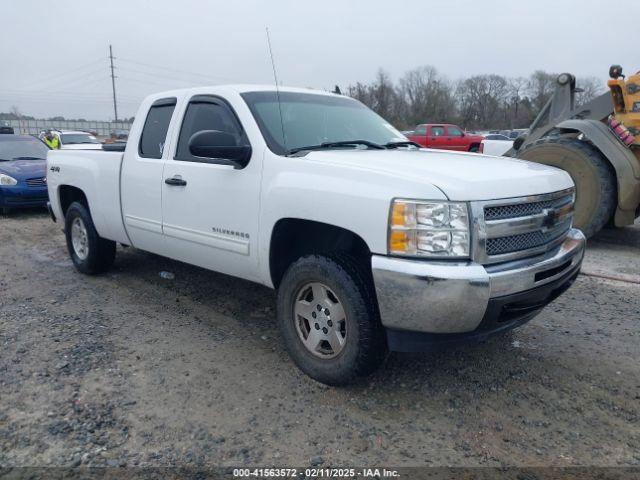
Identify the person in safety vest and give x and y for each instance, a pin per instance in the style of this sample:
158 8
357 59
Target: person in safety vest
52 140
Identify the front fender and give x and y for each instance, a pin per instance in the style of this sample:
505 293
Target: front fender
357 201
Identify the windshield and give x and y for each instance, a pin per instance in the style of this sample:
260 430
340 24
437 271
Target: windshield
311 119
26 148
67 138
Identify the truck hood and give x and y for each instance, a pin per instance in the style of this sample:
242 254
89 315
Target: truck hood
460 176
24 169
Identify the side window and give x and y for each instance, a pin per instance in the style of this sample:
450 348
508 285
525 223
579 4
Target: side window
154 132
454 131
207 113
420 130
437 131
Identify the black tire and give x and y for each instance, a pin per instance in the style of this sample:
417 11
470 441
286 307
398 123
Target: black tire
365 346
100 252
595 180
474 148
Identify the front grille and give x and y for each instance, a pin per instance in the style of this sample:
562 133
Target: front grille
525 241
516 210
37 182
520 227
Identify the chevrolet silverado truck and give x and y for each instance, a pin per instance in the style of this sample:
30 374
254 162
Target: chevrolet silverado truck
372 243
446 137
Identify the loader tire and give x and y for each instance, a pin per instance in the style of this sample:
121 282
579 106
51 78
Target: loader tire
595 180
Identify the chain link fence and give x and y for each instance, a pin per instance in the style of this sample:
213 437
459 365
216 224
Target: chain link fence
34 127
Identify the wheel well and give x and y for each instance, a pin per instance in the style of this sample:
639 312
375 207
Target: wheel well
293 238
68 195
474 145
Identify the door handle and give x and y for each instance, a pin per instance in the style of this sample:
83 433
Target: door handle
176 181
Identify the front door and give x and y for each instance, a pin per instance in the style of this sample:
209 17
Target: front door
455 137
141 178
210 210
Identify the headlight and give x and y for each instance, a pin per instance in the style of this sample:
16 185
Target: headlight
433 229
7 180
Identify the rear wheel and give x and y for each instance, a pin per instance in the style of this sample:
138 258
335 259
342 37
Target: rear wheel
596 191
328 318
89 252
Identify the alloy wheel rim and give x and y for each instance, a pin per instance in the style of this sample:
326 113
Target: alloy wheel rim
320 320
79 238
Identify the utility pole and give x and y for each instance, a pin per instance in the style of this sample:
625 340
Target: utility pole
113 84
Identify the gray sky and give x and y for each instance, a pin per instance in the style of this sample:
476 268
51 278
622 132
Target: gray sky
54 54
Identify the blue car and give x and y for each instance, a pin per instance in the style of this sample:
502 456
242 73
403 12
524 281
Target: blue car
23 180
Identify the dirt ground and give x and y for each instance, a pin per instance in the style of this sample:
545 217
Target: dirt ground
130 368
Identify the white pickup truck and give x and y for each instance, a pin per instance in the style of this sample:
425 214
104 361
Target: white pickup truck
373 243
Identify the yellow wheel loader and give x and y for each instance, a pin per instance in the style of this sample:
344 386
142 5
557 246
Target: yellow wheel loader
598 144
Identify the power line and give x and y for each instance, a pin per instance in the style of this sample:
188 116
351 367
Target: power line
163 76
145 81
179 71
49 78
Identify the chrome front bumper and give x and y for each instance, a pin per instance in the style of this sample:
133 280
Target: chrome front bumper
444 297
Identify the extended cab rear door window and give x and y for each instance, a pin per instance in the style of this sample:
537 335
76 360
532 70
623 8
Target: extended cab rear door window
207 112
154 132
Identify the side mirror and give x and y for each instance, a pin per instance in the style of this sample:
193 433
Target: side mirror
218 145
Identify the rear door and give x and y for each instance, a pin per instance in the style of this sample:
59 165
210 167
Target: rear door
141 178
210 210
436 138
455 138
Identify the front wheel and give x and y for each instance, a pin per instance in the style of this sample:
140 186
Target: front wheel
328 318
90 253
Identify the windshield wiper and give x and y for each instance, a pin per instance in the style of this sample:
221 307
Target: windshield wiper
345 143
28 158
402 144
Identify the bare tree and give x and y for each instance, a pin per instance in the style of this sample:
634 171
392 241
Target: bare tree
591 87
423 95
517 117
482 101
426 97
540 88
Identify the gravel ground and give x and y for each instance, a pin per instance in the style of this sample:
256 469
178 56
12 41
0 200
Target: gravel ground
130 368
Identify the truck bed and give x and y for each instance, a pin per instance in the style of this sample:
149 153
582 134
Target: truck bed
97 174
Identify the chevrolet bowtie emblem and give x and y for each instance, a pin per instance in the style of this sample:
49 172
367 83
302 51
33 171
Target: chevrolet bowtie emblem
550 217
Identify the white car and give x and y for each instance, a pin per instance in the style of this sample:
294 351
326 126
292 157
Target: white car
373 244
496 144
76 140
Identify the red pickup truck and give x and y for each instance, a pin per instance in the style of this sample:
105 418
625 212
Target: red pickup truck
446 137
